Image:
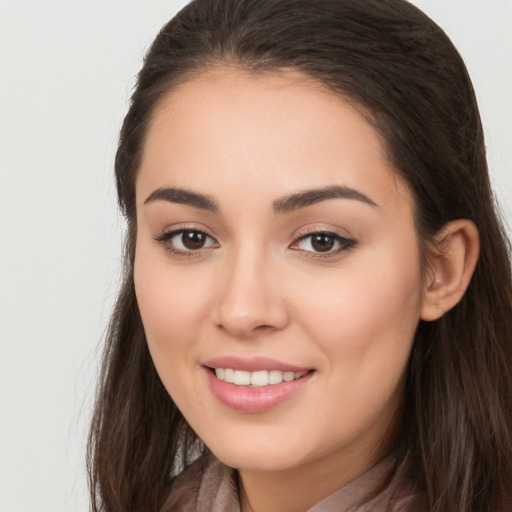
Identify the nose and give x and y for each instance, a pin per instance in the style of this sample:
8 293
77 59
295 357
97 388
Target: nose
250 296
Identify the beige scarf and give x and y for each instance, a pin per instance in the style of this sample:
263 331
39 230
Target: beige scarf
208 485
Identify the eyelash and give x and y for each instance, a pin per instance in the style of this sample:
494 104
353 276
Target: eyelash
344 244
166 237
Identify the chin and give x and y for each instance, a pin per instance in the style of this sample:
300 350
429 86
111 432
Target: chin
257 460
257 453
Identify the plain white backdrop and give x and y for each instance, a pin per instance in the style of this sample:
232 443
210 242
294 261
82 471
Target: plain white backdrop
66 71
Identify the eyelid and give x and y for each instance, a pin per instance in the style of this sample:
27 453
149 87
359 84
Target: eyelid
167 234
322 227
345 242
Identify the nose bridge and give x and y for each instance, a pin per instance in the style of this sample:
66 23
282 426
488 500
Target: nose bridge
248 297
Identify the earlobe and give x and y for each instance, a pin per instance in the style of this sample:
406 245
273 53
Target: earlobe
451 265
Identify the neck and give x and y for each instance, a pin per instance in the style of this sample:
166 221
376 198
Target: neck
300 488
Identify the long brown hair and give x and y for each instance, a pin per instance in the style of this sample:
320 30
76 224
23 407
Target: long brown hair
400 68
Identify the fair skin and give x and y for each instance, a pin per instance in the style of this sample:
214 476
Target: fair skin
329 284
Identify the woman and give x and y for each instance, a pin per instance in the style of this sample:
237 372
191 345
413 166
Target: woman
317 298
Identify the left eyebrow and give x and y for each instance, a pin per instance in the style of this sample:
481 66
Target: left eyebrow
306 198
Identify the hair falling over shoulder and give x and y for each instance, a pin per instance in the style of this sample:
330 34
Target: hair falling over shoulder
403 72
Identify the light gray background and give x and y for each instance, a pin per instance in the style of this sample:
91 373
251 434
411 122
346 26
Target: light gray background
66 71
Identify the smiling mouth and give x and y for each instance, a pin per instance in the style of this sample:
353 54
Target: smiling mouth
260 378
255 385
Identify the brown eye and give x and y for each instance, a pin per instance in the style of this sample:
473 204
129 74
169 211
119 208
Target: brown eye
193 240
322 242
186 241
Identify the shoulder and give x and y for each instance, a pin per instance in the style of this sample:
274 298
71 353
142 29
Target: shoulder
400 493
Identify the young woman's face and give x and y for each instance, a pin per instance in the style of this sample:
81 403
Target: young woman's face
276 247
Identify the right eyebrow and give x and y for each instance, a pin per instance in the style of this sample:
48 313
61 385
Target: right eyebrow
183 196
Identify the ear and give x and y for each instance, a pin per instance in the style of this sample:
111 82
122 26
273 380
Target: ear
452 262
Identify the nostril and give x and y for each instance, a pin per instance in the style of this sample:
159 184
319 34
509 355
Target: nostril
263 327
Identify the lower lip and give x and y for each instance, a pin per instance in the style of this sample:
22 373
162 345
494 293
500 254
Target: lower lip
254 399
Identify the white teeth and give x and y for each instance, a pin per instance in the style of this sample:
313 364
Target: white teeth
288 376
275 377
260 378
242 378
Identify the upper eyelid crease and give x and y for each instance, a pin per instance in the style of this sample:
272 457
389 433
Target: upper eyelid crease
173 232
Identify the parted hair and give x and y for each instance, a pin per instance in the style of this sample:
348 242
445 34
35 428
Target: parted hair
404 74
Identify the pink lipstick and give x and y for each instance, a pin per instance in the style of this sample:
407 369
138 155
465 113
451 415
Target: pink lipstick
254 385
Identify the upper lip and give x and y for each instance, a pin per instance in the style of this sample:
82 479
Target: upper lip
252 364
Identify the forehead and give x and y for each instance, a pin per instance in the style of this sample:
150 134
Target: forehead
230 127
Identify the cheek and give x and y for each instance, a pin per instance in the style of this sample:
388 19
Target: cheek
171 303
365 328
365 317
